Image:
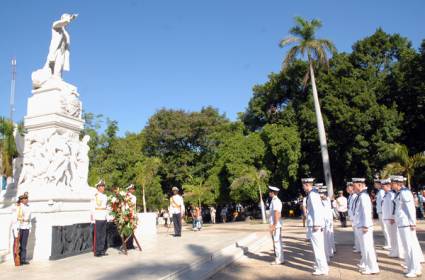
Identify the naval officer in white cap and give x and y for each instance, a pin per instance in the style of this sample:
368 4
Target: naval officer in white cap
315 224
405 218
364 227
275 222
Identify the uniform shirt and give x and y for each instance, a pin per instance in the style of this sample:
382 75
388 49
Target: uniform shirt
328 211
388 205
100 206
133 200
404 211
351 200
315 210
363 210
341 204
176 204
379 197
275 205
22 217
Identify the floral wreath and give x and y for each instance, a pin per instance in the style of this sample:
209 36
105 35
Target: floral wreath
123 212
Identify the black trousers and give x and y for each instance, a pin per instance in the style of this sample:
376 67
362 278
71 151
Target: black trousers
100 237
23 241
177 221
343 218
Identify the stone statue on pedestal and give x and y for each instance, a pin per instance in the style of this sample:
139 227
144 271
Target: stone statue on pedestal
58 56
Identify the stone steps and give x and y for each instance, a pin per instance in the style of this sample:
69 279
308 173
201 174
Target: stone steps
211 264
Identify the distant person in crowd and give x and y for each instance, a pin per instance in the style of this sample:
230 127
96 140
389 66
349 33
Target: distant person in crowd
212 214
177 209
419 204
421 199
99 217
223 214
235 215
166 217
22 226
341 206
303 207
196 218
275 223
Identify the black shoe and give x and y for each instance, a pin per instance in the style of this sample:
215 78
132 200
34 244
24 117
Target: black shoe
25 263
98 255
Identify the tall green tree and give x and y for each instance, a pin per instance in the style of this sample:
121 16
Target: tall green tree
8 149
316 51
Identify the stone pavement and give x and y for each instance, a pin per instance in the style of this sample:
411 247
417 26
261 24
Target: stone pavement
160 257
299 258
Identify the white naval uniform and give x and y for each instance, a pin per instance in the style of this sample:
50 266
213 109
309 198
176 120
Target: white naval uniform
351 200
328 229
276 205
405 216
363 218
389 226
316 218
379 197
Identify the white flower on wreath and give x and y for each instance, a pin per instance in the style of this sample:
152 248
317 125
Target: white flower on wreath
123 193
114 199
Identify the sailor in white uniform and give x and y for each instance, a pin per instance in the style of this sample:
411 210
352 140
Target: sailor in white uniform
364 227
405 218
351 199
388 218
328 231
379 196
275 222
315 225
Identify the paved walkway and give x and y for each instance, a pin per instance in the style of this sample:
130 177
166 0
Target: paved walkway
161 256
299 258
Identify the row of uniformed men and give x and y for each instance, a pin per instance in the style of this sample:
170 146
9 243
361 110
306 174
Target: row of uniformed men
319 224
397 215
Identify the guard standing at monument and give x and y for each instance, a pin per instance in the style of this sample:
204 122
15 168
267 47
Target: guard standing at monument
364 227
22 226
177 210
379 196
99 216
388 218
133 207
405 218
315 224
275 222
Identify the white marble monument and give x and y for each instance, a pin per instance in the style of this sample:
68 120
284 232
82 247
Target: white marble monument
54 164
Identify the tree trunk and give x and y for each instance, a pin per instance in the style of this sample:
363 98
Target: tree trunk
409 177
322 136
262 206
144 200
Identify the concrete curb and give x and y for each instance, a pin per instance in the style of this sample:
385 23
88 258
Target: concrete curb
211 264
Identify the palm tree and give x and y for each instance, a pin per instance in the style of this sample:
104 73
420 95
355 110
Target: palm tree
316 51
402 162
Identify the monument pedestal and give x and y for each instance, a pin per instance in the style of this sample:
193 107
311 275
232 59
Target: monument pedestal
54 173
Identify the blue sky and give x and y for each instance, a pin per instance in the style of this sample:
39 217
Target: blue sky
131 58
